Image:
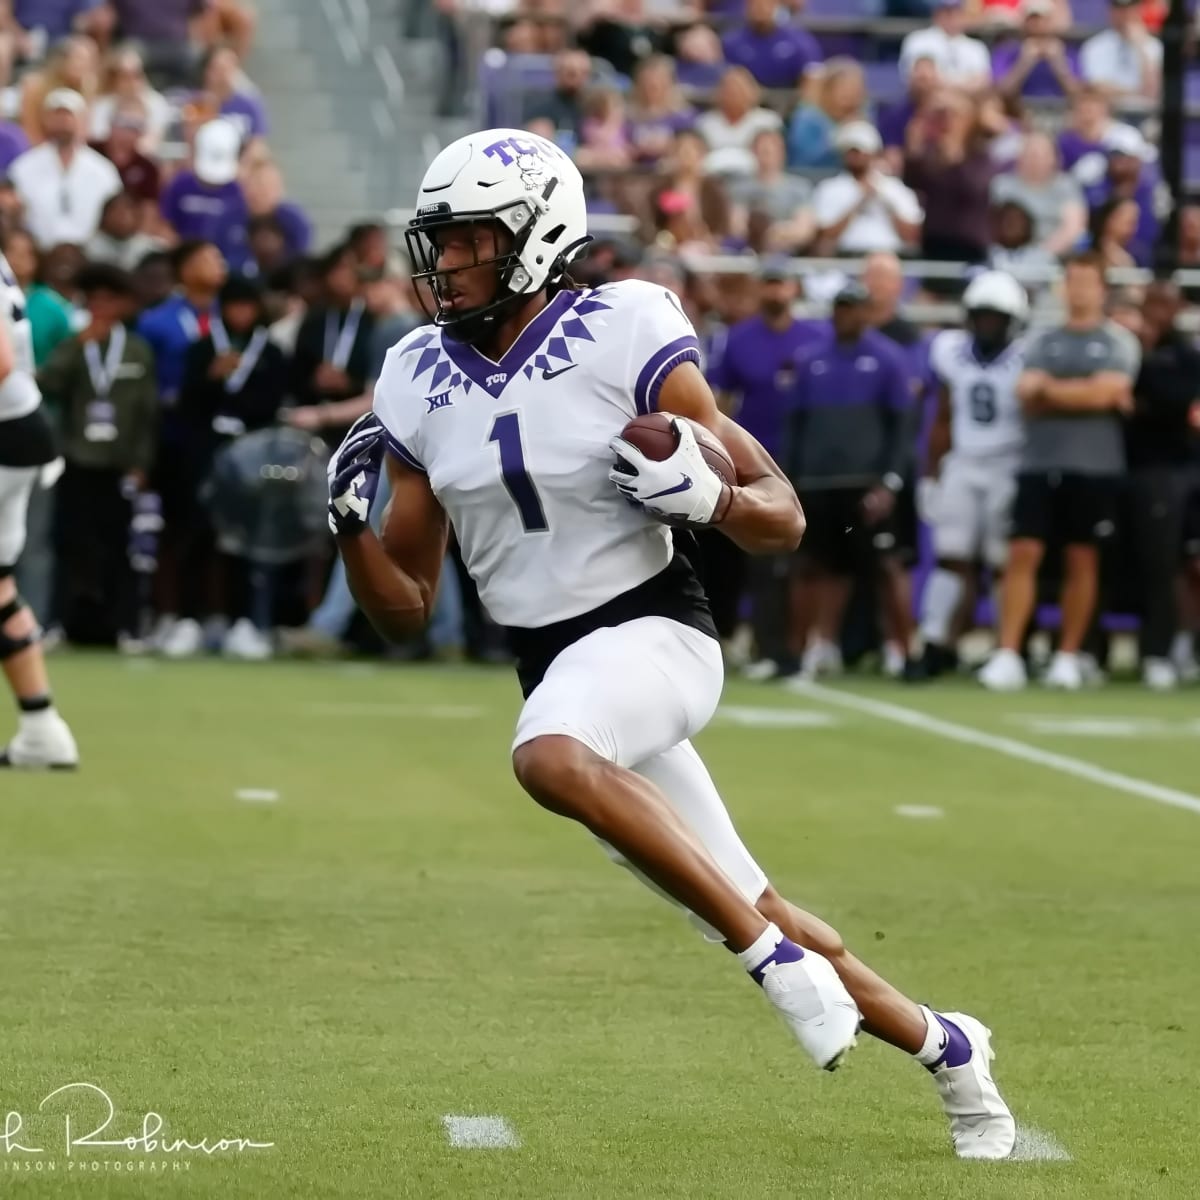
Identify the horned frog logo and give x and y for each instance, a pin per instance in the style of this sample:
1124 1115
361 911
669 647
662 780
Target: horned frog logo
533 172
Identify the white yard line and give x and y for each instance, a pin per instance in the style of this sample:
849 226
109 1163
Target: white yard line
775 718
434 712
919 812
1034 1145
1010 747
480 1133
257 795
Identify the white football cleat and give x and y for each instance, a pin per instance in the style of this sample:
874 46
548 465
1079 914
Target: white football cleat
247 642
45 741
1159 674
184 640
1064 673
816 1007
1003 672
981 1125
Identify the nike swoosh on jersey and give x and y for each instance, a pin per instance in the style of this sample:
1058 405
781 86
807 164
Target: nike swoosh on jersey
549 374
679 487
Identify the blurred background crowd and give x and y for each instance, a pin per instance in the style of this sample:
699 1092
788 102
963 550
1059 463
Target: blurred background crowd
751 155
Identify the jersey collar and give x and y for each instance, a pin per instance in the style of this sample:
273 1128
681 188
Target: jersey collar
492 376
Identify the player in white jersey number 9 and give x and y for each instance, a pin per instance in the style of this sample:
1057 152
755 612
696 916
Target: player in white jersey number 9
497 419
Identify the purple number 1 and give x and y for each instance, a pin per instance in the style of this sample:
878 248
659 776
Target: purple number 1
506 433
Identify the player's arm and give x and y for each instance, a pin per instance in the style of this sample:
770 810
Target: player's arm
762 513
1102 391
393 576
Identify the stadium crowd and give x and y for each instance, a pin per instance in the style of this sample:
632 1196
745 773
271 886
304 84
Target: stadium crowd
178 310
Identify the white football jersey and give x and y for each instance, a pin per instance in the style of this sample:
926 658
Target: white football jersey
517 450
14 403
985 414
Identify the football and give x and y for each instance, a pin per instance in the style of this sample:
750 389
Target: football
655 437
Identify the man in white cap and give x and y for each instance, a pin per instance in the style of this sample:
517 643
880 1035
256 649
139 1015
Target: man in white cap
63 183
862 209
1125 59
206 203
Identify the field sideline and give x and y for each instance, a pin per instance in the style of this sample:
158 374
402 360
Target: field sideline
383 932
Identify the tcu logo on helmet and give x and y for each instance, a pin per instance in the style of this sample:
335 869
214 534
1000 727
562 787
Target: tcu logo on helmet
529 157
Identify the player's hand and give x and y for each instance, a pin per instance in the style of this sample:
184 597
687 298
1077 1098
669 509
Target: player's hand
928 497
681 489
353 475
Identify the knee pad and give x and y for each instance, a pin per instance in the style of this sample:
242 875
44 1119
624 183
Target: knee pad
11 646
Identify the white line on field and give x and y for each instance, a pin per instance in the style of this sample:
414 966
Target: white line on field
1033 1145
435 712
919 812
954 732
257 795
480 1133
775 718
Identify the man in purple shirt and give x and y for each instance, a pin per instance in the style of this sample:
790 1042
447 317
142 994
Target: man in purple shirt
753 374
1130 176
162 28
55 19
847 447
207 203
776 53
1039 64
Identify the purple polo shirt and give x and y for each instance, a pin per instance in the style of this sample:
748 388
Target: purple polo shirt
13 143
777 58
1072 147
642 132
702 77
157 20
248 113
893 120
213 214
56 17
757 364
1041 80
1148 228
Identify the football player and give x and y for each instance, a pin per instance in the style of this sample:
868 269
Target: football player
974 453
503 420
26 449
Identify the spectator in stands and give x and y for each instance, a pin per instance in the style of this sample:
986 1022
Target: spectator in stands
207 201
949 168
1124 60
776 52
923 84
13 143
230 22
564 105
125 84
844 451
265 197
163 29
1051 195
139 173
331 364
221 94
234 380
619 32
1160 447
268 245
154 279
1129 175
657 109
731 125
1014 249
63 183
1087 127
862 209
120 241
699 59
1003 120
101 383
961 61
840 96
679 226
998 14
43 22
684 172
1076 385
49 313
1113 231
1040 63
70 66
1189 236
604 134
779 198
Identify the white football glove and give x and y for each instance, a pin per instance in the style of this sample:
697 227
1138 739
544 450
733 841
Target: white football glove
682 489
928 497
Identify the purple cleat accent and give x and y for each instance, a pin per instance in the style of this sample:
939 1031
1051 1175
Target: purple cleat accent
787 951
958 1050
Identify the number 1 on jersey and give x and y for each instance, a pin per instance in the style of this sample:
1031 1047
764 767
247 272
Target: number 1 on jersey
506 433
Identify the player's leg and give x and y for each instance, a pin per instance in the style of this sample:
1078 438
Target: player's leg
42 739
623 695
955 1048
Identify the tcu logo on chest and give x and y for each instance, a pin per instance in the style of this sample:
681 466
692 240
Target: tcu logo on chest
500 377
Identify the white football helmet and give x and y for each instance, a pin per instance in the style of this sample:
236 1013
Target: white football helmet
520 180
997 291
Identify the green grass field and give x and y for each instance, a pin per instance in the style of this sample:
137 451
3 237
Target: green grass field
402 935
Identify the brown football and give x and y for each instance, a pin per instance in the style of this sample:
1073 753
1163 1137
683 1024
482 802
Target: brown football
653 435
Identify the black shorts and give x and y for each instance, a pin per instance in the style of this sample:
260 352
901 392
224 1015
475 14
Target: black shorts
1191 525
903 527
1062 508
837 538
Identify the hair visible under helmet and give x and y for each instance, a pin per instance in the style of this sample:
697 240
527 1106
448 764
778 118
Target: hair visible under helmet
519 181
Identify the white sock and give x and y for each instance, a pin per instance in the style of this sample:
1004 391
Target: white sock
40 719
1181 647
943 593
936 1039
762 947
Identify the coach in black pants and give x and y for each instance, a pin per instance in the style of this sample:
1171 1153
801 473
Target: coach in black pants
1160 450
